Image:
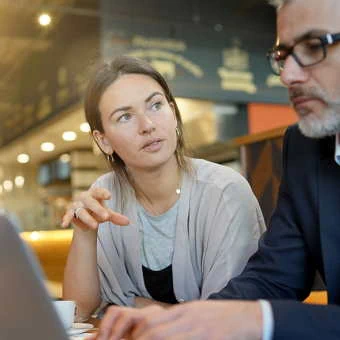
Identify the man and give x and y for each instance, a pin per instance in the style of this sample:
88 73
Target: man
304 234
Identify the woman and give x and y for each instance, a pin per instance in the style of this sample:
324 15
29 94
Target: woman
172 228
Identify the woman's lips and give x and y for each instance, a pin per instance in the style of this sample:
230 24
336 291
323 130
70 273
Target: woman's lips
153 146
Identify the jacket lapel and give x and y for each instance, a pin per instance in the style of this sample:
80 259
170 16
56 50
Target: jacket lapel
329 203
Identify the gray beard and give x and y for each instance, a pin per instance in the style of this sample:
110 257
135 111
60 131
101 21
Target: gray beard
314 127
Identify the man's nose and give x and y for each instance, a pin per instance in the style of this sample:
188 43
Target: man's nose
293 72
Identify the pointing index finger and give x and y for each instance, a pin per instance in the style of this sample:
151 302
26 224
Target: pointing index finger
119 219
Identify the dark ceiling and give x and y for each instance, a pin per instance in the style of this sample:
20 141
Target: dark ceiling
21 35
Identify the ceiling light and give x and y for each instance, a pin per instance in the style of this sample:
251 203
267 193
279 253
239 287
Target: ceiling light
44 19
23 158
65 158
8 185
47 147
85 127
19 181
69 136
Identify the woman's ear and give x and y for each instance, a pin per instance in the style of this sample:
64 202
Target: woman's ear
102 142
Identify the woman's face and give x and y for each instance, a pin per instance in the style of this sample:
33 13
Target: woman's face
139 124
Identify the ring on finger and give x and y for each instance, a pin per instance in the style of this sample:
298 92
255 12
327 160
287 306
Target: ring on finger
76 212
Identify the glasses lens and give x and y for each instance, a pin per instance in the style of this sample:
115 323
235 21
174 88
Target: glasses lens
310 51
276 61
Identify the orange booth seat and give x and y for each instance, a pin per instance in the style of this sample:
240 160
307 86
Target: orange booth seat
51 248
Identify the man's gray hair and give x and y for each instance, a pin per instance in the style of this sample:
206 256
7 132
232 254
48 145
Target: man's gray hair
277 3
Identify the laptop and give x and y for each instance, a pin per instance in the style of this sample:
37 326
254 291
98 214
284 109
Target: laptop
26 309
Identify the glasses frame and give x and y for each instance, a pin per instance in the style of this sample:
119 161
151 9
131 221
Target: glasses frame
326 40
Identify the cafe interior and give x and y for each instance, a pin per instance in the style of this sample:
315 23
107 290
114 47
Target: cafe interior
216 69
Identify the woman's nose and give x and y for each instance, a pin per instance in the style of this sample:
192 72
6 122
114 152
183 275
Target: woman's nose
146 125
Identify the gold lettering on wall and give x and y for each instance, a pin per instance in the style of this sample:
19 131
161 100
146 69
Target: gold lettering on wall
157 55
274 81
166 68
235 74
169 44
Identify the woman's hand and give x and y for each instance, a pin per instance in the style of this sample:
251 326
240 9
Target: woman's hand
88 210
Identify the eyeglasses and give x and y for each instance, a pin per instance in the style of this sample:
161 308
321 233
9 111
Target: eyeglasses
306 52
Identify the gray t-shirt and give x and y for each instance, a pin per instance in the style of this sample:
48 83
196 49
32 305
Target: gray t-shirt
157 236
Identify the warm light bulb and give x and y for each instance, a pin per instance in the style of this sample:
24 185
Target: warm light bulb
19 181
69 136
44 19
23 158
47 147
8 185
85 127
65 158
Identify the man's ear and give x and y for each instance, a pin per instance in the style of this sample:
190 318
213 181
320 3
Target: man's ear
102 142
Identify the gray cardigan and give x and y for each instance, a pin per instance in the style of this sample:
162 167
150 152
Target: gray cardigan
219 223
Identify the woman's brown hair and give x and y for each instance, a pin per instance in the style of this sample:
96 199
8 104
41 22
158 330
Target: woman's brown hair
107 74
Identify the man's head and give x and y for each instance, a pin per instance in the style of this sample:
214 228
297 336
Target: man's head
311 66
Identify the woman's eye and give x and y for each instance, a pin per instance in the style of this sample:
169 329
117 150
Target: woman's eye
124 117
156 106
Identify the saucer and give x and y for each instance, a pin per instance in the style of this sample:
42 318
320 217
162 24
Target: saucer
78 328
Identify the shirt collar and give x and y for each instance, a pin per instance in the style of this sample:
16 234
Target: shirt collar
337 148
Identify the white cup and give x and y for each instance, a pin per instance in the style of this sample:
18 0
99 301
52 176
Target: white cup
66 311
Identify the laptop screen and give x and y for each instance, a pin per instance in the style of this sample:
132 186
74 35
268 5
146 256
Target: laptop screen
26 309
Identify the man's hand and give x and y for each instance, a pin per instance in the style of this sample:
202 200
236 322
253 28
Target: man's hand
119 322
194 320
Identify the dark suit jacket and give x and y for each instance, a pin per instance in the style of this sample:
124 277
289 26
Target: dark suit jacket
303 236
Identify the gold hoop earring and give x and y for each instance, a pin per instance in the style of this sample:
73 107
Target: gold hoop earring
110 158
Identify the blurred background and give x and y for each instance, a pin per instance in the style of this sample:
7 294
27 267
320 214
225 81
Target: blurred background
213 53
